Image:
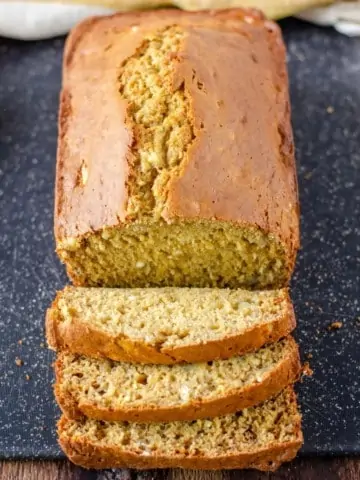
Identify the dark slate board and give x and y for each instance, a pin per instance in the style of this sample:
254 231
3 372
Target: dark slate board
325 89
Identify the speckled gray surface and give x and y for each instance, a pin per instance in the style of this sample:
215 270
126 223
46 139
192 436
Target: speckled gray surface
325 88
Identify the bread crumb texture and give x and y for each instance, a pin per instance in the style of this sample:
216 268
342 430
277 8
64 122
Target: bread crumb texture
172 317
275 421
161 120
199 254
115 385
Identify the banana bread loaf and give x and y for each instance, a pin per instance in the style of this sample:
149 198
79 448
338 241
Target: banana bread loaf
108 390
175 159
167 325
258 437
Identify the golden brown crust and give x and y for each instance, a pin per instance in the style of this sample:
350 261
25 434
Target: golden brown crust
263 171
273 383
92 456
83 338
89 455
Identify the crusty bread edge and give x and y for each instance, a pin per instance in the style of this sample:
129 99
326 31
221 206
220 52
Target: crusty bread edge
85 27
79 337
88 455
91 455
285 372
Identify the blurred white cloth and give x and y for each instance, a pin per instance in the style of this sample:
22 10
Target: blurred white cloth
343 16
29 20
35 21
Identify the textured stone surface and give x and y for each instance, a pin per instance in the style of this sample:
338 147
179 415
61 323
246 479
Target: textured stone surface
325 88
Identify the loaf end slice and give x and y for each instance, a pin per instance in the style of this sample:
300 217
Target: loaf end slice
167 325
260 437
114 391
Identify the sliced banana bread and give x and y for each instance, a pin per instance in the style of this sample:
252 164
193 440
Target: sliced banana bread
167 325
176 160
258 437
108 390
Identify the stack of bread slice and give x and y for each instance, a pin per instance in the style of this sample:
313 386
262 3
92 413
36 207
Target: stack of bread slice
185 414
177 218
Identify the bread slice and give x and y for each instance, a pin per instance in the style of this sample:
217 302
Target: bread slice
167 325
258 437
107 390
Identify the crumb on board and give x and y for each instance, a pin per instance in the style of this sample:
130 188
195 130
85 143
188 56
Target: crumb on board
42 345
19 362
335 325
307 371
20 342
27 377
330 109
309 355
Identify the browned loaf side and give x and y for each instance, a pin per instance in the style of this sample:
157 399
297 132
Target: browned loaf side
175 160
113 391
260 437
167 325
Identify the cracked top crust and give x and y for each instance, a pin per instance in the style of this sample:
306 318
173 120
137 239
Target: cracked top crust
236 161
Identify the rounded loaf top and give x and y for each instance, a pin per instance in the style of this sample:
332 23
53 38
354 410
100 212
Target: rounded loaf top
188 115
